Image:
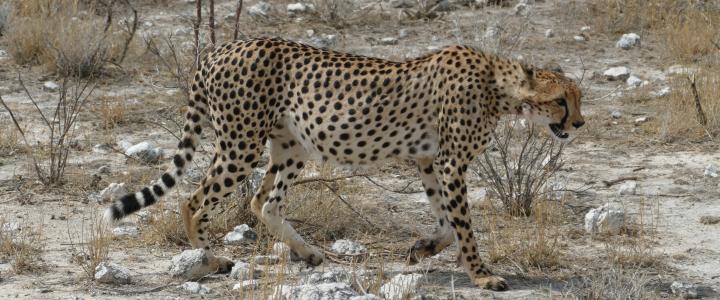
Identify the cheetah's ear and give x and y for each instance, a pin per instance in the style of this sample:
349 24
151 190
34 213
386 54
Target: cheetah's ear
530 73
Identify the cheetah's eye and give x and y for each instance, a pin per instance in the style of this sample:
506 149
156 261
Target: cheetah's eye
561 101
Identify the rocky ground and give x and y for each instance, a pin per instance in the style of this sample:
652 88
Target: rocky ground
636 213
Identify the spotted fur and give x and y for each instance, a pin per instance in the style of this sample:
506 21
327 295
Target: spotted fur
438 110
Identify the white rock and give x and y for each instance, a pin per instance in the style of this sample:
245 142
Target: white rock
102 148
324 40
640 120
50 86
604 219
296 8
522 9
627 188
310 32
189 264
241 234
403 33
9 227
634 81
366 297
388 41
684 290
628 41
126 231
616 114
112 273
323 291
661 93
617 73
549 33
259 9
267 259
196 288
401 286
585 29
282 250
327 277
711 170
243 271
579 38
348 247
3 53
247 285
144 151
113 192
148 24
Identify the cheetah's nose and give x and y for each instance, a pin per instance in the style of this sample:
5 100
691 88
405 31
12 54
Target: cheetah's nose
578 124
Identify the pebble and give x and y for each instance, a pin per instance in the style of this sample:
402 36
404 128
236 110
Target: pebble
579 38
641 120
549 33
627 188
628 41
388 41
241 235
50 86
296 8
112 273
323 291
144 151
189 264
126 231
401 286
195 288
634 81
617 73
259 9
711 170
348 247
616 114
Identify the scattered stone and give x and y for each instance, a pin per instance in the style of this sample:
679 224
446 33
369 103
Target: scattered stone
298 8
324 40
144 151
366 297
195 288
634 81
662 92
12 226
627 188
242 271
400 286
617 73
3 53
260 9
711 170
148 24
627 41
323 291
641 120
267 259
684 290
616 114
189 264
604 219
585 29
126 231
247 285
549 33
387 41
112 273
113 192
50 86
327 277
348 247
579 38
709 220
522 9
102 148
241 234
281 250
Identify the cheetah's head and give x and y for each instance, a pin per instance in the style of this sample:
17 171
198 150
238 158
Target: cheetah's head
554 103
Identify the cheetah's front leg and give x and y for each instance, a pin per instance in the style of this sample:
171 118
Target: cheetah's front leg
451 172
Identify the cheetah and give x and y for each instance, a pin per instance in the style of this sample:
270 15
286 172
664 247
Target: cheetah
317 104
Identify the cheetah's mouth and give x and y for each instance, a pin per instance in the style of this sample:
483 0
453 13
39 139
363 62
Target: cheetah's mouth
558 131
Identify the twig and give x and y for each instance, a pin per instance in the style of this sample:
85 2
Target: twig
399 191
211 20
196 30
639 169
698 106
238 10
135 292
342 199
609 183
325 180
607 95
130 30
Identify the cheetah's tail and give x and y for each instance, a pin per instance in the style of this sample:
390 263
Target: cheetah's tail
133 202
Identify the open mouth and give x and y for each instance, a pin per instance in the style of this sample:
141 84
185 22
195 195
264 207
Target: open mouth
558 132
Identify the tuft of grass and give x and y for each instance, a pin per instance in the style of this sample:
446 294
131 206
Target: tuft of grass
614 283
164 228
22 247
9 139
91 245
678 114
110 110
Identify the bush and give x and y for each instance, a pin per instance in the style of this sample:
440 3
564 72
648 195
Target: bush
678 115
517 166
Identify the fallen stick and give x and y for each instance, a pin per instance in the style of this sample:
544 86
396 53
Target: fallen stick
619 180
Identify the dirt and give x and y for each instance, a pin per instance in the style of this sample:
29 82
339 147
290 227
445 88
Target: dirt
672 196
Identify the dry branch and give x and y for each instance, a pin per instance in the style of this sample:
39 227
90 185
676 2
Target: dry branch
609 183
238 10
211 20
698 106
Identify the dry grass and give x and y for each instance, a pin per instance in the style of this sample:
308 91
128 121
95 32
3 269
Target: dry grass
614 283
110 111
22 247
163 228
64 36
636 247
678 117
93 244
9 139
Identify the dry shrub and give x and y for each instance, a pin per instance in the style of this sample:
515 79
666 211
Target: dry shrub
93 244
23 247
518 165
164 228
65 36
9 138
110 110
678 115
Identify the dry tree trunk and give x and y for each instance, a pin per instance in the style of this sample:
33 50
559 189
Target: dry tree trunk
211 20
698 106
196 30
237 19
